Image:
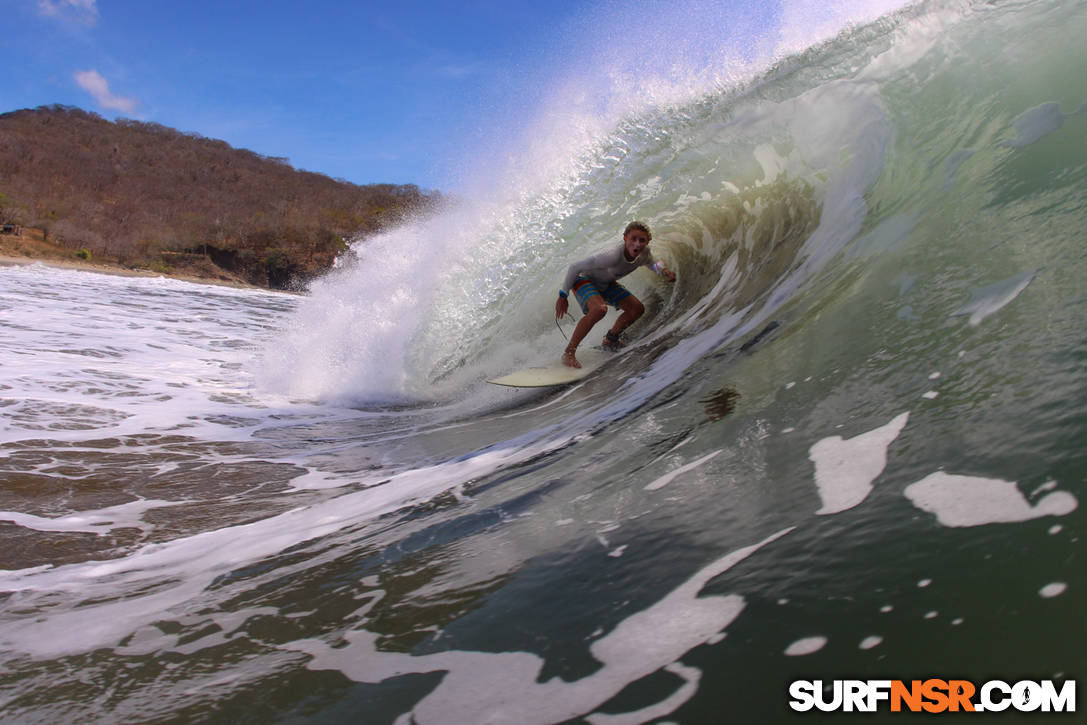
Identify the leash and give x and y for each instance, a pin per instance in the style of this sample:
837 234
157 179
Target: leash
560 329
569 311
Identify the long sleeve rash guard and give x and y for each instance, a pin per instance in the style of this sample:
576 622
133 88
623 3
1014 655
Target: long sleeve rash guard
605 267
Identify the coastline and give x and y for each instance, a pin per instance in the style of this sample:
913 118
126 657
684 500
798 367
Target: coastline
30 247
7 260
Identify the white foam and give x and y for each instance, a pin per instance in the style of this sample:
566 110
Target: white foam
150 640
99 521
313 480
669 477
986 301
1053 590
133 356
483 687
872 641
1049 485
173 573
845 469
806 646
972 501
691 677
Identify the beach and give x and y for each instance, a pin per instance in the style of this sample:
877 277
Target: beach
30 248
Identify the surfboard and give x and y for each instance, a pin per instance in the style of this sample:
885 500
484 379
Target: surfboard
556 373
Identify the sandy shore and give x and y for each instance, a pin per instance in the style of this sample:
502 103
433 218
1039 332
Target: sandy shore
86 266
30 246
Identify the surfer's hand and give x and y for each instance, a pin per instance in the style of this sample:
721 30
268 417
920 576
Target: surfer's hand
561 306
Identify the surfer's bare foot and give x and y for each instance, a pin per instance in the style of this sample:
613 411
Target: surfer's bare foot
569 360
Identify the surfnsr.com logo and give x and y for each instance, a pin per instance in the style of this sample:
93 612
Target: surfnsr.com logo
932 695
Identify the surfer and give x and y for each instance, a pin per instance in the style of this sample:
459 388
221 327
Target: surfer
593 282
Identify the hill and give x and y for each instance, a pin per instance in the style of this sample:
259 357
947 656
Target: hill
143 195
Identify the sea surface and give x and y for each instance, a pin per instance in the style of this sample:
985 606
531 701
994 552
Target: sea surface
850 441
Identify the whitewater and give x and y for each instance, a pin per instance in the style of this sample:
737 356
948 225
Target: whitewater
847 442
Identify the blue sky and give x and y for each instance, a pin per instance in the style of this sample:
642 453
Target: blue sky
370 92
397 91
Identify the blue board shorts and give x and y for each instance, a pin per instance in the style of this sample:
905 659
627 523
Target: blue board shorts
613 294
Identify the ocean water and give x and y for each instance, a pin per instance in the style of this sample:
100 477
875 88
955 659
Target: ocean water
847 442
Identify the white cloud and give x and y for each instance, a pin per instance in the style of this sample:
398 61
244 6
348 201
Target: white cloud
92 82
83 11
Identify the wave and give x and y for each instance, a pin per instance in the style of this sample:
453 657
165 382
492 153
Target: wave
752 184
749 186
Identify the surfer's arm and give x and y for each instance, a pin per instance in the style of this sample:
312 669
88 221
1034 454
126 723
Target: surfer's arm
571 277
659 267
561 305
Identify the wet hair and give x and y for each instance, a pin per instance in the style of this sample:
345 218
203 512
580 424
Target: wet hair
640 226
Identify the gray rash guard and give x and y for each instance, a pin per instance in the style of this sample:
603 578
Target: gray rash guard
605 267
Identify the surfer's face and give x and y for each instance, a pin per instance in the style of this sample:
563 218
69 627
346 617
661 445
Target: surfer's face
636 240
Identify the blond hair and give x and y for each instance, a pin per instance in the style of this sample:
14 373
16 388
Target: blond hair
640 226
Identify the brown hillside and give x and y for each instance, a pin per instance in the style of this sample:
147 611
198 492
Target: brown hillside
144 195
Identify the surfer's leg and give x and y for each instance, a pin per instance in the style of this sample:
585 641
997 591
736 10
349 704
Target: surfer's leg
594 313
632 309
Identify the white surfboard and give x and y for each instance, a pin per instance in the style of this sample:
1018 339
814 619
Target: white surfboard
555 373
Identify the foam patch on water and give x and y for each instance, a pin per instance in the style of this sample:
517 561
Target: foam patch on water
845 469
170 576
121 356
806 646
151 640
643 643
872 641
1053 590
100 521
988 300
669 477
1036 123
971 501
